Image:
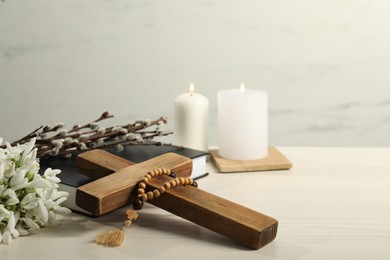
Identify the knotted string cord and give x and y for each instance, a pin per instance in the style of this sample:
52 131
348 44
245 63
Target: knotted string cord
116 236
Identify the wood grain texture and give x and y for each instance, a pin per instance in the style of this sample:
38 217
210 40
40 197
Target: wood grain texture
241 224
275 160
108 163
115 190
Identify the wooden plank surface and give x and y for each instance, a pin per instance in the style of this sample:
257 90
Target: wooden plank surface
334 204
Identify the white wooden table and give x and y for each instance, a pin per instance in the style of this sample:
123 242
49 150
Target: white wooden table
333 204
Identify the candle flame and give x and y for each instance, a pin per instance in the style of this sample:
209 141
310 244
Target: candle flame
242 89
192 89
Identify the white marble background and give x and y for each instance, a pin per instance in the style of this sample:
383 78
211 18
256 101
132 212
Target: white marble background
325 64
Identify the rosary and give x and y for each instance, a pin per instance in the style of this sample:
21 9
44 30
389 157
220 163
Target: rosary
116 236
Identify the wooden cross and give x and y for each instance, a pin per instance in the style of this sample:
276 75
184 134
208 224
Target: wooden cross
117 183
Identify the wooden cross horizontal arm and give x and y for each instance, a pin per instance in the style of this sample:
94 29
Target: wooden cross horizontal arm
115 189
243 225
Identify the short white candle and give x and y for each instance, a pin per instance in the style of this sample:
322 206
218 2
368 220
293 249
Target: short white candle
242 124
191 120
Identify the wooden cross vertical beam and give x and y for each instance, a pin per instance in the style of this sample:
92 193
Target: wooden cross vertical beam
243 225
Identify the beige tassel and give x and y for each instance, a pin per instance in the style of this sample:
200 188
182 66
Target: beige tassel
111 238
116 236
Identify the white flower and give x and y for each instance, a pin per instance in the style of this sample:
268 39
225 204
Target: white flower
28 201
51 175
7 221
9 197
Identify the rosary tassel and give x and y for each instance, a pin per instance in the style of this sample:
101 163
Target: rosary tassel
116 236
111 238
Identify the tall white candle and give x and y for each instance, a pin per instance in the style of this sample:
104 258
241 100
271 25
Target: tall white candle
242 124
191 120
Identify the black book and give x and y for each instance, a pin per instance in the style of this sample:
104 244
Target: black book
71 179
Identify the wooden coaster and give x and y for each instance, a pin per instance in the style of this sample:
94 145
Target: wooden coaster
275 160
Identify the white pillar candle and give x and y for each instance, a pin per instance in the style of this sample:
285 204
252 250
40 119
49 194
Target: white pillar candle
242 124
191 120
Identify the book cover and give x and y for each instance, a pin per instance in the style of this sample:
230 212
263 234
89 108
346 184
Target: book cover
71 179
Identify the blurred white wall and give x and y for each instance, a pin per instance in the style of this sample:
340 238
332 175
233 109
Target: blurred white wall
324 63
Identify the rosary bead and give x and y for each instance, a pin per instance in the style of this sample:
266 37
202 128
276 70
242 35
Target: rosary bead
152 173
140 191
166 171
127 223
173 183
138 203
142 185
143 197
150 195
156 193
177 181
161 189
148 176
172 175
145 180
167 185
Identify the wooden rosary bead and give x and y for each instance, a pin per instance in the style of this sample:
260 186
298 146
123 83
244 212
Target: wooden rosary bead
161 189
150 195
167 185
145 180
138 203
127 223
156 193
148 176
172 174
173 183
140 191
142 185
143 197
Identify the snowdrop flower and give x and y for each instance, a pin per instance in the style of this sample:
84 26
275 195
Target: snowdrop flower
9 197
51 175
28 201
